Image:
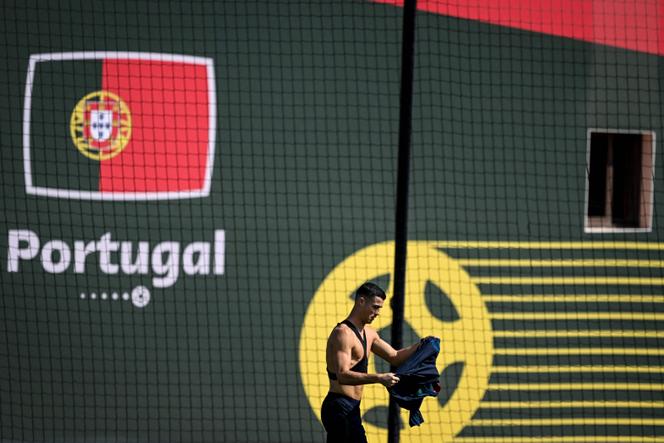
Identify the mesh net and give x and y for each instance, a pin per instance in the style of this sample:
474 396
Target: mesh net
192 192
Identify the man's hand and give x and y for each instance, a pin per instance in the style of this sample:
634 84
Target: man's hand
388 379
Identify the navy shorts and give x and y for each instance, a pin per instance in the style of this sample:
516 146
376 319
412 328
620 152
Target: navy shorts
342 420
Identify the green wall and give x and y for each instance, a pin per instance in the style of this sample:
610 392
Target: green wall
304 176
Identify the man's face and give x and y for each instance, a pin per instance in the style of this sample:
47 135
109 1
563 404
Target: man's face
371 308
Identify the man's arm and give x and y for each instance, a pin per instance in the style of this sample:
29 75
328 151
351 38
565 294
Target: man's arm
342 344
394 357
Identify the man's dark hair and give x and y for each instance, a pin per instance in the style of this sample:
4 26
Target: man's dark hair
369 290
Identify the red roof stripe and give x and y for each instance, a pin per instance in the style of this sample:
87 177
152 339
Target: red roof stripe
630 24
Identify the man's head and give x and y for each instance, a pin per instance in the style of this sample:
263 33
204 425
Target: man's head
369 299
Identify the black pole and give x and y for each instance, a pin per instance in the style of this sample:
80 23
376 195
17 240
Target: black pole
403 173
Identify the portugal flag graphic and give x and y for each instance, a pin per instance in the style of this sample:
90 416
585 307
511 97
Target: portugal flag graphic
119 126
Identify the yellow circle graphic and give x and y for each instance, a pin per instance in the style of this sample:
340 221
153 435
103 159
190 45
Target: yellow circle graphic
468 339
100 125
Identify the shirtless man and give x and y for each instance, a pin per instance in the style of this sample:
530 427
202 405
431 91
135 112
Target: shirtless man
347 359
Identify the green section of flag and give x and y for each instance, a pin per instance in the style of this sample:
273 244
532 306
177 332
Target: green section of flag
55 161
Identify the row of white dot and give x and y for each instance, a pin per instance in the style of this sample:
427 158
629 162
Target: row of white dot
104 296
140 296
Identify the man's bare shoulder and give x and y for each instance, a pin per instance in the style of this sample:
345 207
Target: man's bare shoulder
343 336
340 333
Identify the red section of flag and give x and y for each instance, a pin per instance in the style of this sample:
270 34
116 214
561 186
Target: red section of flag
630 24
169 107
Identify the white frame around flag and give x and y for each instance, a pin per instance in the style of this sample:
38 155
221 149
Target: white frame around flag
118 196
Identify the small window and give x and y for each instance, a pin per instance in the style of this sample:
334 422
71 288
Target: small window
620 181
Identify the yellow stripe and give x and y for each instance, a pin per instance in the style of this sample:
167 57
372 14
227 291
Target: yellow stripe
576 386
568 421
547 245
569 404
569 281
581 298
577 351
576 316
595 263
565 439
579 333
574 369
